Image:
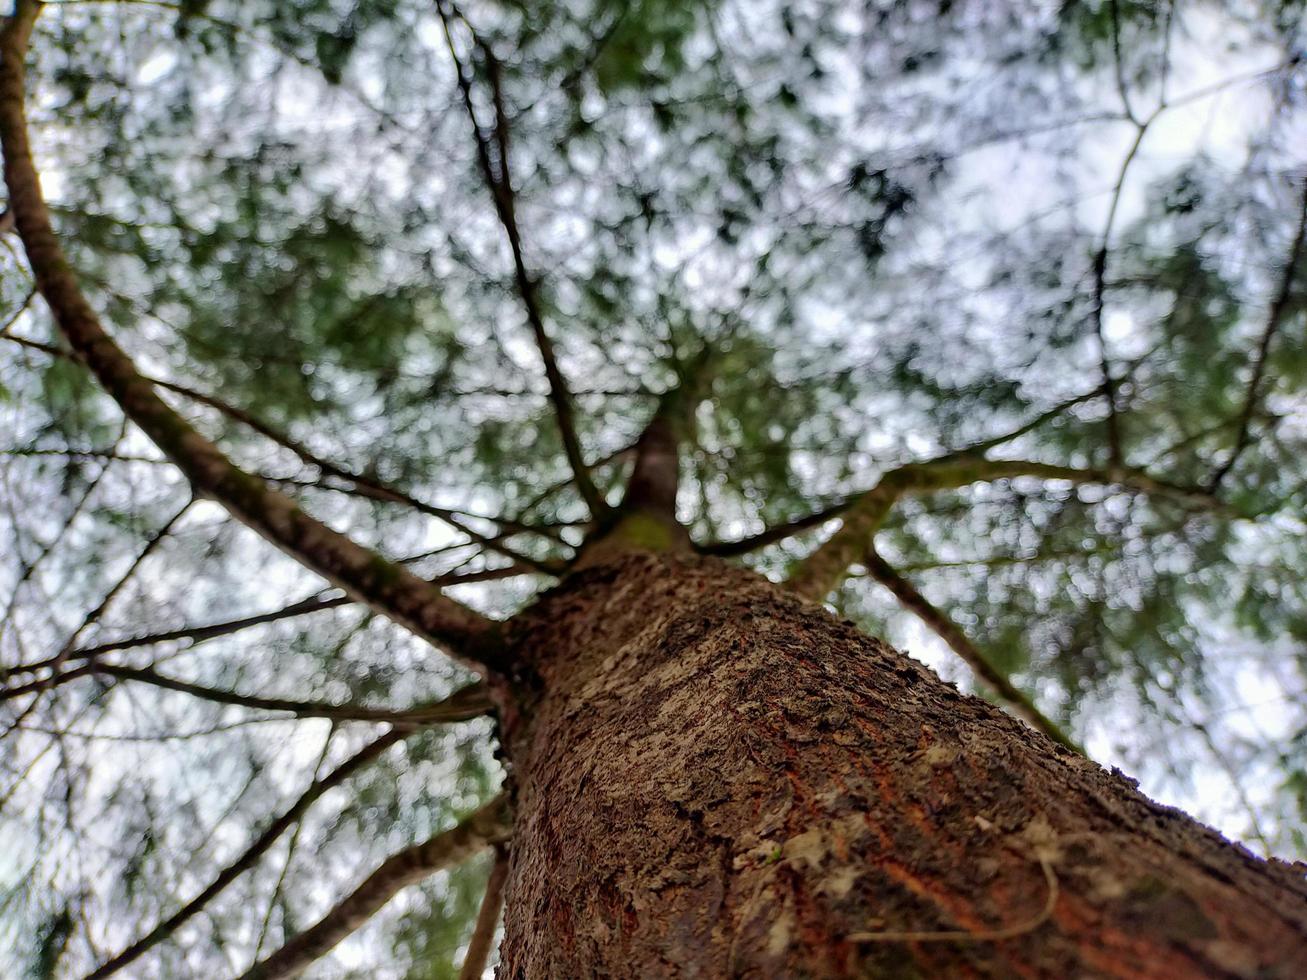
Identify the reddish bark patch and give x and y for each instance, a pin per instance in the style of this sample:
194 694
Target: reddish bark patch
715 778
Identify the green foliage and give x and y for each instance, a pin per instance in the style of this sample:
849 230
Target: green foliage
430 936
75 408
878 225
51 941
644 44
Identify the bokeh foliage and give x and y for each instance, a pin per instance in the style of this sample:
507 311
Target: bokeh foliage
897 228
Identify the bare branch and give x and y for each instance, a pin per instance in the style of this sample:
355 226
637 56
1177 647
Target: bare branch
251 855
486 827
483 933
777 532
1115 449
499 183
29 568
470 702
1119 63
1274 318
292 846
1236 779
365 486
949 631
826 567
13 317
200 634
57 661
151 544
195 634
985 445
977 450
107 455
389 588
822 570
546 492
359 483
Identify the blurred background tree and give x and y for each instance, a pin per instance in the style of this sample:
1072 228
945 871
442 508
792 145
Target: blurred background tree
1072 230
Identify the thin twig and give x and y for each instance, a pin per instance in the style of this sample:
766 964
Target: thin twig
29 568
499 183
1116 450
249 858
1119 63
778 532
470 702
40 687
22 308
487 826
291 846
947 630
195 634
1279 307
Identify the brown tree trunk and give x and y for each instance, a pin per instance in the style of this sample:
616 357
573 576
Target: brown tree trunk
714 778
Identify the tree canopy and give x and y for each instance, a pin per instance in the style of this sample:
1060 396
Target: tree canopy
1017 290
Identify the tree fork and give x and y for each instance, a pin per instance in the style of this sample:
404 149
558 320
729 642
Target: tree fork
825 567
718 778
646 518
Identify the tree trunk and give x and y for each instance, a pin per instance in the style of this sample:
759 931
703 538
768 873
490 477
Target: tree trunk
714 778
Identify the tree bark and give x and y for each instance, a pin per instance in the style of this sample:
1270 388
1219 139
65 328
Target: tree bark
716 778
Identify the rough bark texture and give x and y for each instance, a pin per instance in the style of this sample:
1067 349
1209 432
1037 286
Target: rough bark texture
715 778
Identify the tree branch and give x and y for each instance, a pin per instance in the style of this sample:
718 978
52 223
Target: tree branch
39 687
483 933
470 702
13 317
199 634
823 569
93 617
486 827
977 450
360 483
368 488
250 857
196 634
364 485
1274 318
499 183
777 532
1122 88
390 589
1116 451
29 568
949 631
546 492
